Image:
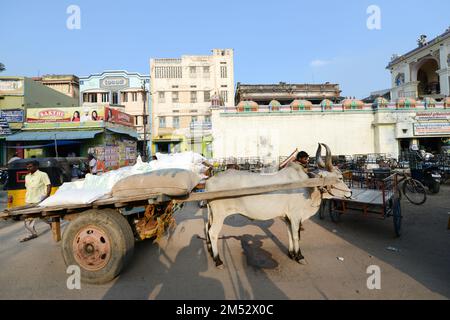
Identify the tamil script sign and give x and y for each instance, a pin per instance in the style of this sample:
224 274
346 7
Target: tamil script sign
13 116
112 83
432 128
430 116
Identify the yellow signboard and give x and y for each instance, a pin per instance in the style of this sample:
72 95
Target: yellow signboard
68 115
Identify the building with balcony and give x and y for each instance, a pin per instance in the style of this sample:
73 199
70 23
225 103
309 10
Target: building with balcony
126 91
423 71
183 90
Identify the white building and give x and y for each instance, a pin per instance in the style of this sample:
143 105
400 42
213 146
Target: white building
424 71
182 89
348 128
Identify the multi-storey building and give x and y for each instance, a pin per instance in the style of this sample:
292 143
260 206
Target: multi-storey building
423 71
126 90
182 90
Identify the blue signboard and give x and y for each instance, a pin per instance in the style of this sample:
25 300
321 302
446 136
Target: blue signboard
4 126
13 116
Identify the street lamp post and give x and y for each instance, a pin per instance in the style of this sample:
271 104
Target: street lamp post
144 121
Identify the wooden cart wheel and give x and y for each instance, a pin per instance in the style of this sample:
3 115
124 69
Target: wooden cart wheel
100 242
397 216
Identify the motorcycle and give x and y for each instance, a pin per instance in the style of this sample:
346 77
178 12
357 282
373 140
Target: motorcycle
429 175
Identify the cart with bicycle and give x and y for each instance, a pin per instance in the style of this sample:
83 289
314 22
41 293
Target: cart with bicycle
376 193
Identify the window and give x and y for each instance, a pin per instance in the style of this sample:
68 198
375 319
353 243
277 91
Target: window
194 119
105 97
206 72
224 86
91 97
174 87
124 96
223 71
194 111
176 122
136 121
193 96
115 98
193 87
193 72
168 72
162 122
161 97
175 96
224 96
206 96
134 96
208 119
175 111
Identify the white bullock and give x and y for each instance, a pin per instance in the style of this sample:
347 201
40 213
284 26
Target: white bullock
295 206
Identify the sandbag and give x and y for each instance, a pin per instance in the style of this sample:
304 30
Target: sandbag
171 182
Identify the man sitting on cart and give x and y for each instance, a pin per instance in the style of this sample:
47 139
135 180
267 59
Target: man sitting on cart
303 160
38 186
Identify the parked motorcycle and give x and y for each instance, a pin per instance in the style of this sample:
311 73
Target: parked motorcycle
429 175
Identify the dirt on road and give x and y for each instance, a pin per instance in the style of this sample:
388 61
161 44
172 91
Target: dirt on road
256 263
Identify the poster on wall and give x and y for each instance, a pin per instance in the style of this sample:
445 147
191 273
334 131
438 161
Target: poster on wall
119 117
68 115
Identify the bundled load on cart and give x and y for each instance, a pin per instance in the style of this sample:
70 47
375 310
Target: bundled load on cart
108 213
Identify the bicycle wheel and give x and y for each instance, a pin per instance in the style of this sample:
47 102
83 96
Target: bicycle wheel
414 191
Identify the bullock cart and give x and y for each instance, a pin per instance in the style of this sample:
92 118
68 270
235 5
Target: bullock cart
100 236
374 192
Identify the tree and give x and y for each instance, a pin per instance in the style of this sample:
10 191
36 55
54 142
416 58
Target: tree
2 67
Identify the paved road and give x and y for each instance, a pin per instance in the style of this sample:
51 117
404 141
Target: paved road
257 266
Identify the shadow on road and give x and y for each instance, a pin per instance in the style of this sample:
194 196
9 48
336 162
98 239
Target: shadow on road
423 249
180 280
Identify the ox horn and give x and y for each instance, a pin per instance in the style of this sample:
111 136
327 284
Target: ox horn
328 163
319 160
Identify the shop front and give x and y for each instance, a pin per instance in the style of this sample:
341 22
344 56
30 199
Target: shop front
72 132
429 131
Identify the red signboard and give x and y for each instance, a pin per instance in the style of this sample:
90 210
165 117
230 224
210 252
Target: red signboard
119 117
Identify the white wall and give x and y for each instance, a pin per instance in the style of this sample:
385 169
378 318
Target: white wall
277 135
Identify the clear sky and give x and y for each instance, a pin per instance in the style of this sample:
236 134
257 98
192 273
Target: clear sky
279 40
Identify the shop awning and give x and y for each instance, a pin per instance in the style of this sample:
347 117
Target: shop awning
52 135
130 132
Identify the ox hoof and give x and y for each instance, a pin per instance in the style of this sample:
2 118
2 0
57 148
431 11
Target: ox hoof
302 261
291 255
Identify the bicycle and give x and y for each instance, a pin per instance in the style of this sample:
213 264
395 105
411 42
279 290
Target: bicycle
413 189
